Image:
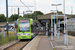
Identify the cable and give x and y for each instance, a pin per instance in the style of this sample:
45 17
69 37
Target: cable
24 4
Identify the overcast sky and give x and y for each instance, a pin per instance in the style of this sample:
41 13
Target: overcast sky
41 5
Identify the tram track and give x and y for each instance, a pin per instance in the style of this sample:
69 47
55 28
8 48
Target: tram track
18 46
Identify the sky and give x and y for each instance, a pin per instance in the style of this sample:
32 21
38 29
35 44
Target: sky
41 5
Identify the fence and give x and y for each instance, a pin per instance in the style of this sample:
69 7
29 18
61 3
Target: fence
4 39
10 32
3 34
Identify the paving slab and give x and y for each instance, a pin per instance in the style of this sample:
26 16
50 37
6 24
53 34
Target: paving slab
44 44
60 42
55 44
39 43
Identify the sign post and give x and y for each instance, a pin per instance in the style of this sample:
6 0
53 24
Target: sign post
54 26
59 27
55 30
46 28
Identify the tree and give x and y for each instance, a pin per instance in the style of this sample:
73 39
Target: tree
60 12
13 17
29 16
38 13
33 15
73 16
2 18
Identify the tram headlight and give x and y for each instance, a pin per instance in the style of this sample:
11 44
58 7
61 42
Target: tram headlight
29 34
19 34
32 33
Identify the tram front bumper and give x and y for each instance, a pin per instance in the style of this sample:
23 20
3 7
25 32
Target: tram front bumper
24 37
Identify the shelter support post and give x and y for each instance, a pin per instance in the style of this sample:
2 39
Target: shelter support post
46 28
51 28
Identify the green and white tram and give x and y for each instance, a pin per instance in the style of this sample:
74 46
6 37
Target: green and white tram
24 28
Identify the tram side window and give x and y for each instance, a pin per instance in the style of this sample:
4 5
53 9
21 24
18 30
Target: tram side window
31 28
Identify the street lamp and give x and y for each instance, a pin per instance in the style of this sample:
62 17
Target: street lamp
28 11
71 16
64 23
56 4
54 14
35 8
57 16
56 9
54 23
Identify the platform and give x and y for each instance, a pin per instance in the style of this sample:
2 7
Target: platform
39 43
42 42
60 43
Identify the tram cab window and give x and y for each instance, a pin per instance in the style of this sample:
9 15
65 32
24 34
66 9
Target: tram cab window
24 26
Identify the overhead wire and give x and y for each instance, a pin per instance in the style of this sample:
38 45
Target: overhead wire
24 4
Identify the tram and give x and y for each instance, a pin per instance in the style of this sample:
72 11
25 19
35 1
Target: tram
24 28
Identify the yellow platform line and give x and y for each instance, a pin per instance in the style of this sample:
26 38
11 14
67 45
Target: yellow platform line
71 37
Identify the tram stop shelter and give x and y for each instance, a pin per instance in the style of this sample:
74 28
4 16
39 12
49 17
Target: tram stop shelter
46 18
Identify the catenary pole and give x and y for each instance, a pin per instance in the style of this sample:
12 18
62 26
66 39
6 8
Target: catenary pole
57 23
7 15
57 19
23 13
54 25
66 32
18 12
71 16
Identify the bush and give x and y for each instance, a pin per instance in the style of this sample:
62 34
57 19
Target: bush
12 37
5 40
38 31
71 33
0 38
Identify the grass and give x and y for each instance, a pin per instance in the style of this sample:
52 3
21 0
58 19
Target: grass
54 49
53 46
69 34
5 40
38 31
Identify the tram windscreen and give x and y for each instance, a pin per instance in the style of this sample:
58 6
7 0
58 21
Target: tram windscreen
24 25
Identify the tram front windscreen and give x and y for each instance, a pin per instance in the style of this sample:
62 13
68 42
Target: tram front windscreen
24 25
